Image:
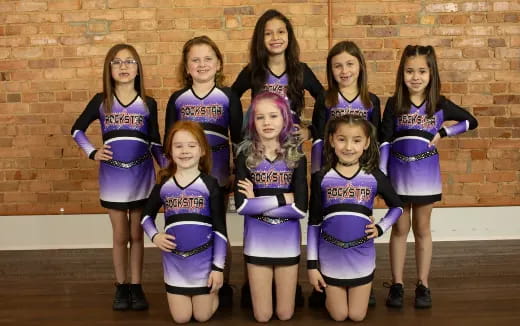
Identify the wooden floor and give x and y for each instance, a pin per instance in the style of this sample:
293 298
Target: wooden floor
473 283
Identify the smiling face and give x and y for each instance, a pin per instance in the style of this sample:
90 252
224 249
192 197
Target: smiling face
186 151
416 74
345 69
268 120
124 67
202 63
276 38
349 142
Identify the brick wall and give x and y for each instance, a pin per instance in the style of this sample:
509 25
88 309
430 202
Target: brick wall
51 56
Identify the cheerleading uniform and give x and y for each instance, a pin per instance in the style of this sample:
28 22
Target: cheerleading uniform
278 84
272 227
195 216
131 130
406 157
219 113
322 114
340 209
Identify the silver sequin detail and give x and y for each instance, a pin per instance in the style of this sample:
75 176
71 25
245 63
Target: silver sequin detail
417 157
128 165
343 244
192 252
271 220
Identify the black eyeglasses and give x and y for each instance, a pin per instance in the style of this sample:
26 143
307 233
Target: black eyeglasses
118 63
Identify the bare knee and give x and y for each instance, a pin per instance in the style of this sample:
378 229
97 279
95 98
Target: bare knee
400 230
136 237
284 314
338 314
121 239
357 316
263 316
202 316
181 318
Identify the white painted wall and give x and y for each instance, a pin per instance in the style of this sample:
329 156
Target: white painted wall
94 231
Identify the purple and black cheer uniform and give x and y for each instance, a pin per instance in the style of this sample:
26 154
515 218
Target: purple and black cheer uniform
272 234
219 113
195 216
411 165
278 84
125 181
322 114
340 209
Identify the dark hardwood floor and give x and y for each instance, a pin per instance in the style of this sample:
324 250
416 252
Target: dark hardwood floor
473 283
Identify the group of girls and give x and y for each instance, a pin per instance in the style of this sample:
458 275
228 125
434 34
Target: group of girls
355 156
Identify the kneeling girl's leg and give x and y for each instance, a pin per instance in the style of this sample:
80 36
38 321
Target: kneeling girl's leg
204 306
180 307
285 278
358 301
336 302
260 282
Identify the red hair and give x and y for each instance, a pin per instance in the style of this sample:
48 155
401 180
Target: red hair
196 130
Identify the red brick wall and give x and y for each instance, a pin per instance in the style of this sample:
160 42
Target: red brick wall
51 55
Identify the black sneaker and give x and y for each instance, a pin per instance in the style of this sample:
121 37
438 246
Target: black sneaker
395 295
122 297
137 298
372 299
245 296
423 299
317 299
225 296
299 300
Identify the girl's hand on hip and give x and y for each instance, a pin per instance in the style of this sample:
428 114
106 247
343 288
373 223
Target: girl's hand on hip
103 154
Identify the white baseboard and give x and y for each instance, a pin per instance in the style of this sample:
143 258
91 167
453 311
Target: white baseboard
94 230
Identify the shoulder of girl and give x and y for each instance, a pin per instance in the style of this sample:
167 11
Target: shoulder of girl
150 99
372 95
179 92
443 100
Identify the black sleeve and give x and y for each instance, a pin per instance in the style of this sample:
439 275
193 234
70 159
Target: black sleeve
88 115
153 204
310 82
453 112
242 83
316 205
153 126
299 185
319 117
386 131
171 113
235 116
241 174
217 208
376 111
385 189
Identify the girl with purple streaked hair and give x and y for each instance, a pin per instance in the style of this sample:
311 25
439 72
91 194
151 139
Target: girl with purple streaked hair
271 193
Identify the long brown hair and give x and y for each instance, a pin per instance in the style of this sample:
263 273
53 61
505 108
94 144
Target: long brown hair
196 130
184 77
369 160
432 91
331 97
108 81
259 58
